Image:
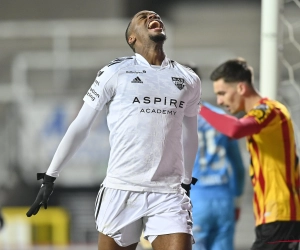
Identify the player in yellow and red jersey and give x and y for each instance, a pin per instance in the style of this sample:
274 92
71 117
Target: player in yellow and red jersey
273 162
274 165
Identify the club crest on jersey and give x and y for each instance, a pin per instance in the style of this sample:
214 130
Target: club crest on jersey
179 82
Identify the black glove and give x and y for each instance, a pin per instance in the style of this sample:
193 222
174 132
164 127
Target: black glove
1 221
43 194
187 187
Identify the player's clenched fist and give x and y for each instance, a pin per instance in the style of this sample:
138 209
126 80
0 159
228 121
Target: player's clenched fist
43 194
187 187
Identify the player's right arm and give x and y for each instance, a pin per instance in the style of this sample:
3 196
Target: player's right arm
100 93
74 137
230 125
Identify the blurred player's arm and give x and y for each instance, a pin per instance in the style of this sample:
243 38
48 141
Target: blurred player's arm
190 146
230 125
237 179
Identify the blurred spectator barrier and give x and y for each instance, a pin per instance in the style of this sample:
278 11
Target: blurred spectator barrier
49 227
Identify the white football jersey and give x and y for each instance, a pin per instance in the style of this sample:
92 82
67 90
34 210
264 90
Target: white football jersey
145 108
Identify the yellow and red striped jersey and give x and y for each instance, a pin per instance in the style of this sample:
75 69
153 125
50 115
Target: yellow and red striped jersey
274 169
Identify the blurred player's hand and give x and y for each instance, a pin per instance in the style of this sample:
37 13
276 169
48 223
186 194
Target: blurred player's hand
187 187
237 212
1 221
43 194
237 207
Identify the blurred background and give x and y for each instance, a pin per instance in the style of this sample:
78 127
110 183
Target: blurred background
50 52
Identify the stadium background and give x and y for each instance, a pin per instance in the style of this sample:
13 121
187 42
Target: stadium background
50 52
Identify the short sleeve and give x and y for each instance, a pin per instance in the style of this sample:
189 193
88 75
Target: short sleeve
103 88
192 107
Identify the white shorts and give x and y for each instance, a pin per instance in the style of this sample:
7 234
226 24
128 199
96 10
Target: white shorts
123 215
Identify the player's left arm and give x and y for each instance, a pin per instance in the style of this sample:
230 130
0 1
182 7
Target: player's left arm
190 131
190 146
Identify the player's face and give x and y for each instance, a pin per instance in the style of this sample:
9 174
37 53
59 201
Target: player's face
228 96
147 24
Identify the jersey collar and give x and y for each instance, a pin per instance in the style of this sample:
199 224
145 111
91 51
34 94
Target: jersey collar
142 61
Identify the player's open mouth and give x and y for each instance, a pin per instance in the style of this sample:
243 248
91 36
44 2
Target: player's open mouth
155 25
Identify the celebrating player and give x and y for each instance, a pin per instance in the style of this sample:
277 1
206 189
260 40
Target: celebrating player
271 143
151 101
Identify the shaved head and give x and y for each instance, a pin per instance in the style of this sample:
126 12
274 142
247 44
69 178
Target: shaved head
127 34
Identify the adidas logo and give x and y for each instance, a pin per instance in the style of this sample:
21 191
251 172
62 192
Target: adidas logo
137 80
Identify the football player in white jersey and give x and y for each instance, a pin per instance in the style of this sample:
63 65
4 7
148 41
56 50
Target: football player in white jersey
152 104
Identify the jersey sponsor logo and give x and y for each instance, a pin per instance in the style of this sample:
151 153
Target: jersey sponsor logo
135 72
260 112
257 113
179 82
137 80
213 180
157 100
97 82
158 111
92 94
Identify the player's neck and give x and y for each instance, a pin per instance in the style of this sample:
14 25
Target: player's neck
154 56
251 100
